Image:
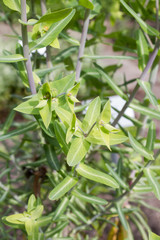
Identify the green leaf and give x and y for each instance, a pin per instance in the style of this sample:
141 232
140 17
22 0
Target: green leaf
153 236
88 198
62 188
60 132
116 176
51 157
121 216
117 138
37 212
140 148
30 22
110 82
28 107
95 57
12 58
15 218
150 175
96 175
146 111
92 114
31 227
151 137
71 130
142 48
87 4
146 28
46 113
64 115
8 121
69 39
21 130
140 227
52 33
147 88
49 131
106 113
78 149
61 208
55 230
95 137
79 214
63 84
31 203
54 17
15 5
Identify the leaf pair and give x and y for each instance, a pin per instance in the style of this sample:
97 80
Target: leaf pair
27 219
69 182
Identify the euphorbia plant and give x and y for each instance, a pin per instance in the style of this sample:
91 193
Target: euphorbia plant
70 149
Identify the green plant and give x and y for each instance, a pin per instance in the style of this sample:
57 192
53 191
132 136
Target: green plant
63 154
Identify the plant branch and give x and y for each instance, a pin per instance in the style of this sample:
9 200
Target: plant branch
48 50
26 48
142 77
82 44
157 15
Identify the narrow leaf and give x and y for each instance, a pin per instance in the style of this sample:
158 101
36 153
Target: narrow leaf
52 33
146 111
147 88
140 148
142 48
150 175
62 188
60 132
110 82
61 208
146 28
116 176
96 175
151 137
78 149
94 57
69 39
51 157
21 130
92 114
88 198
12 58
106 113
122 216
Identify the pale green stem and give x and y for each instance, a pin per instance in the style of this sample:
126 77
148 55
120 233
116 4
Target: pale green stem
26 48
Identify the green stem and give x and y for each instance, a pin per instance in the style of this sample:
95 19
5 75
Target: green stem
26 48
82 44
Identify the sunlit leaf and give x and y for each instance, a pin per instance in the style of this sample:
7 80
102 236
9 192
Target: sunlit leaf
62 188
138 147
96 175
78 149
150 175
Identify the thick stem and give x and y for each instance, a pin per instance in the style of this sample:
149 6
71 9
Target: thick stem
26 48
142 77
82 44
48 50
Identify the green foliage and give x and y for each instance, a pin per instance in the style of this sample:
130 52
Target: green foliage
58 144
